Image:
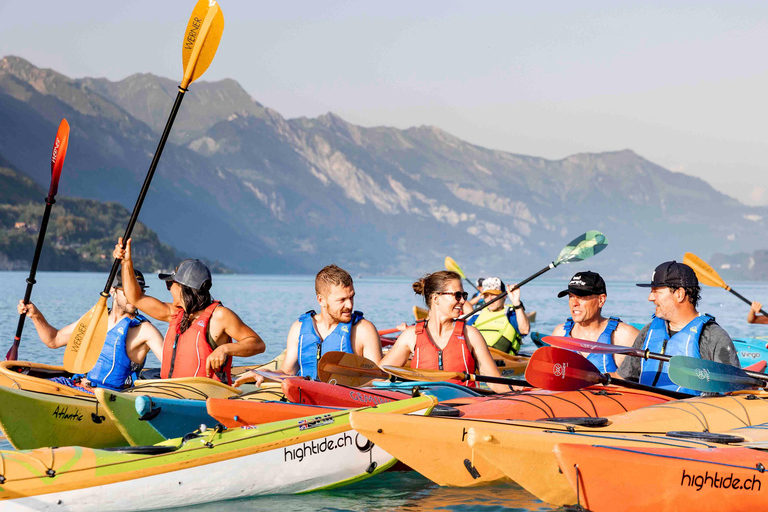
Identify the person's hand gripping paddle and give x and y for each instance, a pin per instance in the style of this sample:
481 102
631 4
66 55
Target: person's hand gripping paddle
198 49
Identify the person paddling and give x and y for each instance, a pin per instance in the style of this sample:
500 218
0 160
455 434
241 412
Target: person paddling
336 328
441 342
503 326
199 340
129 339
754 316
676 328
586 297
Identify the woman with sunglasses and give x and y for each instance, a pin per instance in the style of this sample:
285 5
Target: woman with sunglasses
199 340
441 342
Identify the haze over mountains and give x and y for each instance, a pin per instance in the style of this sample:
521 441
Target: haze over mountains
240 184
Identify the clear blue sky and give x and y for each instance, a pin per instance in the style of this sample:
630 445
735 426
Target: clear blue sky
684 84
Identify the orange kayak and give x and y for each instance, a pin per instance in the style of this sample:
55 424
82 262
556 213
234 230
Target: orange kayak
238 413
617 479
593 402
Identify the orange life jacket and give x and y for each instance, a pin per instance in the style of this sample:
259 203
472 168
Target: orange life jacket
455 357
184 354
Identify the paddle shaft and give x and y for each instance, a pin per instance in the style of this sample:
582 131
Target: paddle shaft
145 186
505 293
472 284
645 354
13 352
743 298
494 380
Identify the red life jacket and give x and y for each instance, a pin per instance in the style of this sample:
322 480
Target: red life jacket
184 354
455 357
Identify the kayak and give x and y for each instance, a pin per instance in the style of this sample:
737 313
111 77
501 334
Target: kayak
751 350
34 377
293 456
666 479
302 391
32 419
238 413
439 451
149 419
527 446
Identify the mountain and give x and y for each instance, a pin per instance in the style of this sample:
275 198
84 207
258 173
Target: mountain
81 232
239 183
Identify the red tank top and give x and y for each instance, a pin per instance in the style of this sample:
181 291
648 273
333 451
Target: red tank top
455 357
184 354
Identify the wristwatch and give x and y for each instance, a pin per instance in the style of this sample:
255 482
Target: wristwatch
520 306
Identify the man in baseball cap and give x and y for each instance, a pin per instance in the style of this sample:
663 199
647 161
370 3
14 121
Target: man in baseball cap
129 339
676 328
199 340
503 326
586 297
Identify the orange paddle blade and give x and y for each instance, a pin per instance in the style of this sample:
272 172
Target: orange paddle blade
704 272
201 40
348 369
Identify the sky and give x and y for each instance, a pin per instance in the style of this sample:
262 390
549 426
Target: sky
683 84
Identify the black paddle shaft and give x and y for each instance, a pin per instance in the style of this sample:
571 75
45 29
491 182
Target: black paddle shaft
496 380
13 352
145 186
504 294
634 385
744 299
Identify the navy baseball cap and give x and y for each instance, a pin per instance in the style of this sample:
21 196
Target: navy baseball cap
673 275
585 284
192 273
118 281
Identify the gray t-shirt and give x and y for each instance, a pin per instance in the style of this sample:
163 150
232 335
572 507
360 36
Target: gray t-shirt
714 345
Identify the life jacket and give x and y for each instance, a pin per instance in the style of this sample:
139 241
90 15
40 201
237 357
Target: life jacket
604 362
683 343
497 330
184 354
312 348
455 357
114 369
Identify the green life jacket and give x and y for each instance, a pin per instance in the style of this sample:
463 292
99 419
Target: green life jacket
497 331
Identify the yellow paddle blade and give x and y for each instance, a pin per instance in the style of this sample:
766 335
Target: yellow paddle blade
348 369
510 365
422 374
451 265
201 40
531 316
704 272
420 313
87 340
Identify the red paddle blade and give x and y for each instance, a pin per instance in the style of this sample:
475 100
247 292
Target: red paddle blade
558 369
13 352
58 155
591 347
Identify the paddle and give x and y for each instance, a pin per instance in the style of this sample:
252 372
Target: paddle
559 369
579 249
57 162
709 277
202 38
420 313
348 369
451 265
442 375
595 347
710 376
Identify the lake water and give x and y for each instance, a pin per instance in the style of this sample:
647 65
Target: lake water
269 304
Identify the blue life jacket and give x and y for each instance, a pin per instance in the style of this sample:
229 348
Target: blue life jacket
683 343
311 347
113 369
604 362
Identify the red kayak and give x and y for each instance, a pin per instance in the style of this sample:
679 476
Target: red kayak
237 413
303 391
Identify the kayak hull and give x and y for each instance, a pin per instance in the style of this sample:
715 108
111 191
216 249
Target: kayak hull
239 413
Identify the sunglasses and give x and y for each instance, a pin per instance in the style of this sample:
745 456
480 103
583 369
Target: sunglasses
457 295
168 285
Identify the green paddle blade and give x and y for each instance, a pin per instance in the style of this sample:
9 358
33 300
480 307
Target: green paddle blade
583 247
450 264
709 376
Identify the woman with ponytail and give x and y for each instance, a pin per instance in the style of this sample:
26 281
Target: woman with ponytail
199 338
441 342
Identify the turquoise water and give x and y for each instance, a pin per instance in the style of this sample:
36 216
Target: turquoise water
270 304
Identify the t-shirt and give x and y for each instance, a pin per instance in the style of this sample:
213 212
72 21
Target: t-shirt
714 345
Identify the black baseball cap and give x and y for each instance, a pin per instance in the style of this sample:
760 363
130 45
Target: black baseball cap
192 273
672 274
585 284
118 281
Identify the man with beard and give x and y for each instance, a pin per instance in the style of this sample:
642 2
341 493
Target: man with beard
337 327
676 329
586 297
129 338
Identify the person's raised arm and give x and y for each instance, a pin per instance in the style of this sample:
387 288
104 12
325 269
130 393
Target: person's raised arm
52 337
753 317
151 306
523 324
